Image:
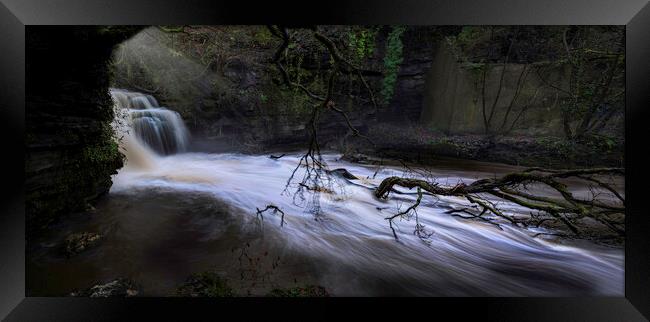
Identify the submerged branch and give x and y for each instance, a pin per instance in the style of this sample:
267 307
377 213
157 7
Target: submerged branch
275 210
276 157
513 188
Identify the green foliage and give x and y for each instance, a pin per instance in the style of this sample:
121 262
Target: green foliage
466 38
293 100
559 146
105 150
392 61
263 37
448 146
101 153
604 143
362 43
286 101
294 68
469 34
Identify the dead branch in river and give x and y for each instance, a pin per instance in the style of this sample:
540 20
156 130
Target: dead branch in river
485 195
275 210
514 188
314 176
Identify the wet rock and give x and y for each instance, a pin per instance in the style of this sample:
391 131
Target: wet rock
79 242
206 284
305 291
120 287
343 173
69 112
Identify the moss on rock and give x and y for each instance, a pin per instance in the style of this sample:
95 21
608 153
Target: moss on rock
79 242
206 284
120 287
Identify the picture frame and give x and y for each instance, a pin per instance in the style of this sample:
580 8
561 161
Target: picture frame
15 15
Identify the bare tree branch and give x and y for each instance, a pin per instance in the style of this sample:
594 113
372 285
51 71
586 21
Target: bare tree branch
275 210
512 188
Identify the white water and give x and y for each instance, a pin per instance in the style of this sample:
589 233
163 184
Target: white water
351 244
156 127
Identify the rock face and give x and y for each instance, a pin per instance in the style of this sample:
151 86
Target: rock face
453 97
70 152
419 47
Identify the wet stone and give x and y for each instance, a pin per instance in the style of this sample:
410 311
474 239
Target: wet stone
120 287
79 242
344 173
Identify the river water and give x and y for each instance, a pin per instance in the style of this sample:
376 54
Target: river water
170 215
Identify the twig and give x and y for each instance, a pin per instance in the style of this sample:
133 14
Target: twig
275 210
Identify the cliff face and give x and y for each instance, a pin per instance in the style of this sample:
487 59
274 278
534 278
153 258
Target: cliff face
453 97
526 81
222 81
420 45
70 152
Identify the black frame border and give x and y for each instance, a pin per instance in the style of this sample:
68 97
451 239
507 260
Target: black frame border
16 14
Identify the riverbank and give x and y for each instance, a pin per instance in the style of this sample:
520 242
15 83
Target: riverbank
419 145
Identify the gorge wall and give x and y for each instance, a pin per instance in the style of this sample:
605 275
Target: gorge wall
453 97
70 153
420 47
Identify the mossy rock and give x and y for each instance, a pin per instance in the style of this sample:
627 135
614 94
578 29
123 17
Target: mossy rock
120 287
79 242
304 291
205 284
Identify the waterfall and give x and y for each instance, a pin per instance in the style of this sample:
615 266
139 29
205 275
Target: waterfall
148 125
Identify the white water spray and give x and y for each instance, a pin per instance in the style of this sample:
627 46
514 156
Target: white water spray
159 129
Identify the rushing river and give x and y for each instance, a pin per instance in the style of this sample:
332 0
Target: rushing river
168 216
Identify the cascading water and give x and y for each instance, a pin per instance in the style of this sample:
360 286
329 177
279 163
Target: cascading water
158 128
168 216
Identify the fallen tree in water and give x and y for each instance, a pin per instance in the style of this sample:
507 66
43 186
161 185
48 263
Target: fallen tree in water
484 194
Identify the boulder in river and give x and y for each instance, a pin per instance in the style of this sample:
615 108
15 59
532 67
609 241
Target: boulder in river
343 173
79 242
